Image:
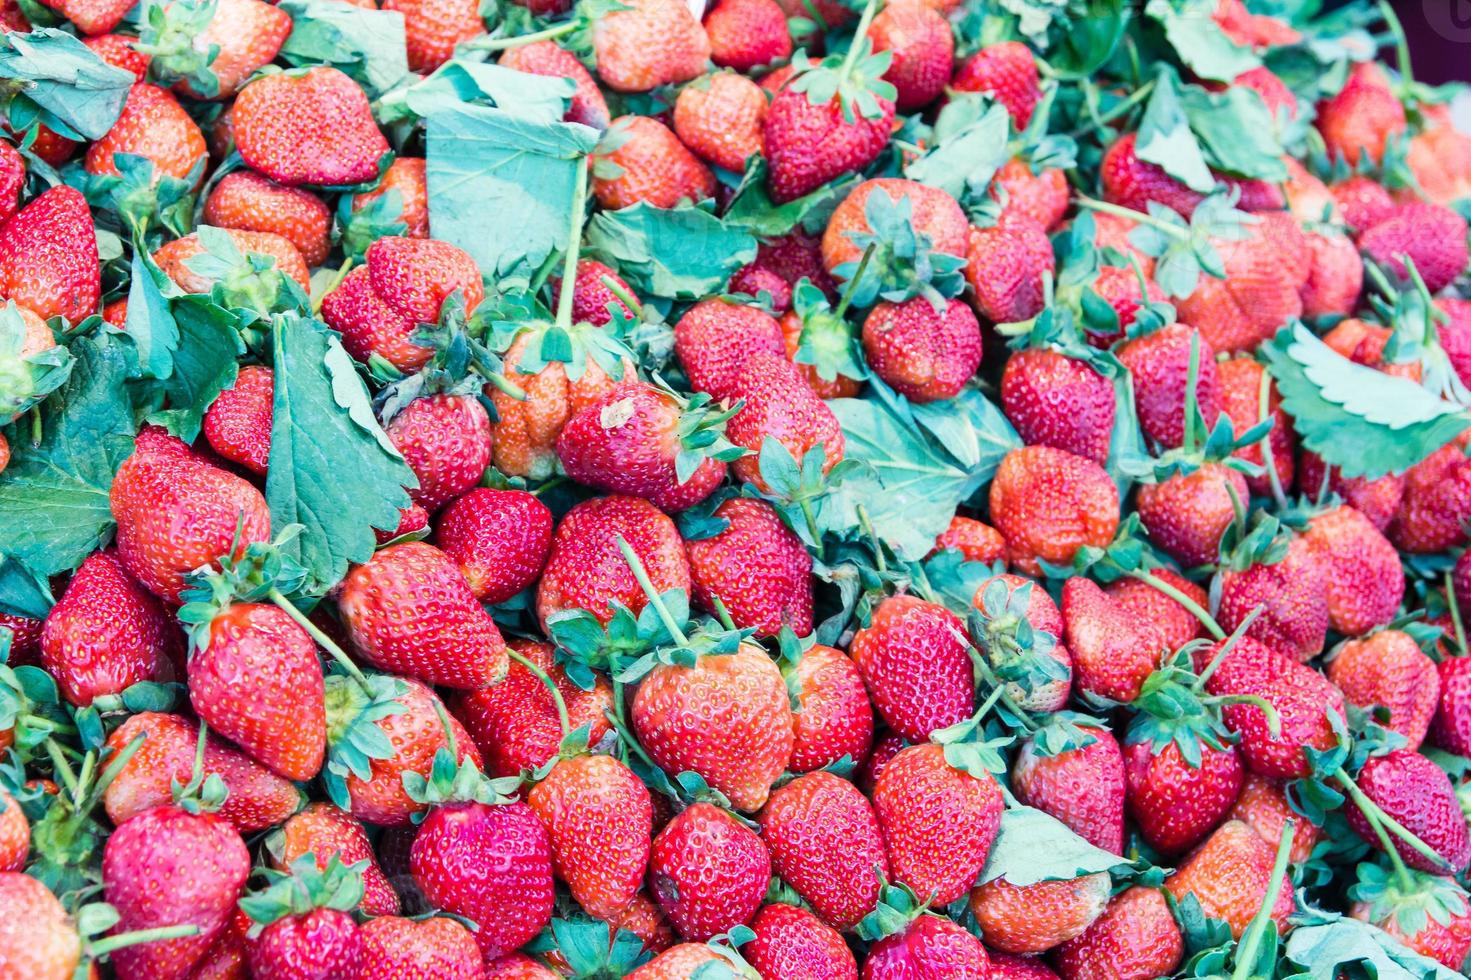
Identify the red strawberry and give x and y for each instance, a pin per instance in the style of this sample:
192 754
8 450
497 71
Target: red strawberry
727 718
1034 918
1083 787
93 16
545 58
1437 156
411 520
933 214
1335 278
1437 496
1176 801
490 863
246 201
1005 967
826 843
518 966
1238 312
1041 196
720 118
404 282
938 822
708 872
1252 30
106 633
922 46
48 256
1132 182
173 258
38 936
1363 202
445 439
1187 513
754 280
1361 569
321 943
425 949
756 567
715 338
587 570
780 405
1048 503
405 176
15 834
1431 236
1263 804
809 142
499 538
652 43
1032 684
1429 916
515 722
1135 938
1008 72
1388 669
1112 652
593 291
25 639
1142 601
204 863
923 353
1120 288
176 512
746 34
433 28
646 163
793 943
599 818
1229 875
833 716
686 960
929 948
1455 334
1378 500
326 832
1293 594
916 666
1417 793
152 125
257 799
1362 117
796 256
410 611
1239 384
311 126
1451 727
1160 366
975 540
1005 265
1058 400
237 424
248 35
12 179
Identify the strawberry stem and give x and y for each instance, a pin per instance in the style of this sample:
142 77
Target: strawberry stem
63 770
860 44
1269 459
1455 609
332 284
1102 119
110 772
504 43
1401 873
1164 227
851 288
721 613
878 546
1192 404
625 296
657 601
113 943
1246 952
978 661
1274 720
323 640
1401 45
574 248
551 686
1373 811
1238 633
1193 607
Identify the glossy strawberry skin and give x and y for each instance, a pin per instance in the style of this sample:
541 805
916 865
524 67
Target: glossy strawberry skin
48 256
825 842
323 942
1362 117
315 127
714 338
1432 236
237 424
1008 72
1005 266
324 831
106 633
974 539
917 672
780 405
1187 513
791 942
1159 364
396 948
720 119
1136 938
922 48
1082 787
1451 727
1048 503
1112 652
1058 401
445 439
746 34
708 872
1389 669
1229 875
499 538
1293 592
930 948
1417 793
153 125
757 568
434 27
491 864
1175 804
249 34
833 717
925 354
1037 917
409 611
807 145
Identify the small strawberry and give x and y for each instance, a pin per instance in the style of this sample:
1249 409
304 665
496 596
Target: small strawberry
1363 117
432 29
1040 195
1022 641
1362 201
1036 917
755 281
1006 266
719 117
588 106
311 126
598 294
975 540
922 47
1083 786
1048 503
1161 365
1239 388
499 538
1407 787
833 717
746 34
714 339
1121 288
1263 804
1008 72
1426 913
412 520
303 922
246 201
793 943
1429 235
755 567
915 665
438 948
924 353
38 940
325 832
1187 513
825 842
174 259
1336 276
708 872
1230 875
1135 938
648 44
48 256
779 405
404 194
641 160
237 424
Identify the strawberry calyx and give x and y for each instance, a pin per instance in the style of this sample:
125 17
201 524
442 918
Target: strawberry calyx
1412 900
1064 731
1018 654
854 78
1171 709
899 260
26 378
169 34
450 782
897 907
204 792
1260 540
462 362
1183 250
828 341
973 747
701 428
1415 321
304 888
247 283
354 738
591 948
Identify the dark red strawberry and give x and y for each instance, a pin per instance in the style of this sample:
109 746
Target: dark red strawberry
597 294
1113 652
917 669
311 126
1292 591
756 568
445 439
499 538
708 872
1059 401
928 947
1437 496
1409 788
1361 570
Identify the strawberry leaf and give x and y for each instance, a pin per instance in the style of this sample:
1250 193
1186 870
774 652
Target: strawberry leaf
1324 947
674 253
970 145
203 362
1237 132
1165 137
457 83
65 85
1360 420
1199 41
365 43
1031 846
22 591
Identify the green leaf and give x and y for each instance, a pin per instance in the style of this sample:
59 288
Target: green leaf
1032 846
54 509
971 136
67 86
203 365
1089 39
675 253
150 323
332 469
501 187
365 43
1361 420
535 98
23 592
1199 41
1237 132
752 208
1324 949
1165 137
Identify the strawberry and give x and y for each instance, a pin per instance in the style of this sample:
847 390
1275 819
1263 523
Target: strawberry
1362 201
321 943
1361 569
411 520
719 117
254 677
1425 913
1437 495
833 717
1187 513
1378 500
1040 195
825 842
1058 401
409 610
652 43
445 439
48 256
1239 388
1451 727
1082 786
258 798
779 405
1006 265
311 126
1174 800
1133 182
1006 71
155 126
1438 158
432 29
1335 278
1252 30
686 960
1264 806
934 214
1431 236
174 258
1142 601
1005 967
643 919
1120 288
975 540
438 948
726 718
1363 117
599 818
1160 365
938 822
405 177
246 201
922 47
1388 669
1048 503
1301 697
106 633
25 639
915 665
1292 592
1238 312
797 256
404 282
517 966
237 424
15 834
708 872
793 943
1411 789
204 863
753 280
176 512
586 569
747 34
515 722
248 34
924 353
37 938
714 339
927 949
1014 653
499 538
545 58
492 864
1229 875
324 831
641 160
93 16
12 179
593 290
756 567
1035 918
1135 938
1454 334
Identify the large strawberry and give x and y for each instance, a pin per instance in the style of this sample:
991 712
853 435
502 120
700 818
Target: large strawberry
1083 785
1363 117
747 34
1437 494
1390 670
916 666
1426 913
1360 569
1263 804
432 29
922 48
1406 787
588 106
708 872
1112 652
1231 876
1429 235
649 43
1282 575
780 405
1007 71
1136 937
1059 401
910 943
1022 631
719 118
1048 503
309 126
755 567
792 942
1161 365
154 126
48 256
1036 917
302 926
1007 265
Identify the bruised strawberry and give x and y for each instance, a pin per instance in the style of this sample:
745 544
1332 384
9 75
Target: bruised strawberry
1411 789
153 125
708 871
445 439
1187 513
405 178
1362 118
792 942
651 43
311 126
640 160
1006 265
1431 236
779 405
720 118
922 47
324 831
1389 669
833 717
1361 570
499 538
588 106
1229 875
246 201
975 540
1160 365
1142 601
714 339
1084 787
1112 652
1136 937
915 665
924 353
1036 917
1263 804
48 256
237 424
1048 503
1007 72
756 567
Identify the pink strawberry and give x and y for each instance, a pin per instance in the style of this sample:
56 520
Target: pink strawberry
1084 787
833 717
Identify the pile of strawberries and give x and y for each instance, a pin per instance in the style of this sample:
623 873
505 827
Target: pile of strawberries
788 489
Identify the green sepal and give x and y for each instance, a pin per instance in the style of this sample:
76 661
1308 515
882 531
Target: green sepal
828 341
168 33
904 263
354 738
451 782
304 888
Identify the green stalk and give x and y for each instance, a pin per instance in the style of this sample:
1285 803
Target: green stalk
860 38
1240 631
1401 873
1401 45
851 289
114 943
323 640
551 686
1160 585
1372 811
1192 376
1118 211
627 298
1269 460
721 613
63 769
1251 941
639 573
574 249
878 546
1274 720
336 281
1455 607
978 660
503 43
